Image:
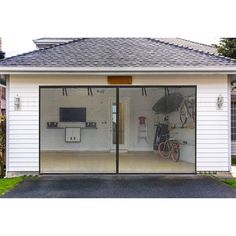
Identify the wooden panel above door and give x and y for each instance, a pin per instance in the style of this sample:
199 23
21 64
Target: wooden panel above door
119 79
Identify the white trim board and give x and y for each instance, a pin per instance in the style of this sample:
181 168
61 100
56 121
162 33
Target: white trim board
116 70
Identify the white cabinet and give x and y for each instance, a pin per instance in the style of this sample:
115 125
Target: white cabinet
72 135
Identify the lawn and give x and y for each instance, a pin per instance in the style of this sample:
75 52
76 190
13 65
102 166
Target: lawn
9 183
231 182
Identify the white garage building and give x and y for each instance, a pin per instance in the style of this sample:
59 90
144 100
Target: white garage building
118 105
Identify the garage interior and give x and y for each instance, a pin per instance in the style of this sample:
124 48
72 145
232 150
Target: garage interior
117 130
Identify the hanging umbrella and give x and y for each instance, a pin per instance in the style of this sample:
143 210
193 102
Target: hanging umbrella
168 103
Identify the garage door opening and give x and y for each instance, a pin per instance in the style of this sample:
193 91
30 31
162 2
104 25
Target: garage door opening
117 129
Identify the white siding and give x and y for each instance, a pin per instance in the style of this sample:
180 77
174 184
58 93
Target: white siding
212 124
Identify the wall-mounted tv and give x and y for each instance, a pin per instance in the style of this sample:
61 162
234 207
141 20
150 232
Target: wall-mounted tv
68 114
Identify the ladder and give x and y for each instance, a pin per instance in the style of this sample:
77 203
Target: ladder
142 129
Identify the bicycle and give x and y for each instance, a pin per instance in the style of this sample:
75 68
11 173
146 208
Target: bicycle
187 109
170 149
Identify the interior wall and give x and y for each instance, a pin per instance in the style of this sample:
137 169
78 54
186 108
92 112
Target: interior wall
139 105
142 106
185 135
97 109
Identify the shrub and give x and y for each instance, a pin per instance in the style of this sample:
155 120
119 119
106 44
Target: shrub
2 145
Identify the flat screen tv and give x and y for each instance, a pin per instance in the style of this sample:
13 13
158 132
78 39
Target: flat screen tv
72 114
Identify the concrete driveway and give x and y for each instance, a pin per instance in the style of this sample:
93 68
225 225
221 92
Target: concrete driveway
123 186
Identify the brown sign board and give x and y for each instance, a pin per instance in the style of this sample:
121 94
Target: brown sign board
119 79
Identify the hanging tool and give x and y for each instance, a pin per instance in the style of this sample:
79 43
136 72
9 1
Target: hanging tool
64 92
144 92
90 92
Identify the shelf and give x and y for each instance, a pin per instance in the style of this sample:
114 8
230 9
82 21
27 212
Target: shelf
55 128
89 128
72 127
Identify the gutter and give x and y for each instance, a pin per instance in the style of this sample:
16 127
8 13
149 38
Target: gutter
116 70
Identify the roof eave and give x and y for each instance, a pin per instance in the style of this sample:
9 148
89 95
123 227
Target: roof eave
116 70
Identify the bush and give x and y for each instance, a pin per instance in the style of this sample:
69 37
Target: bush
2 145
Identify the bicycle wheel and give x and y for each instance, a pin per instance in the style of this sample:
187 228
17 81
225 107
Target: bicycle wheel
191 109
164 149
175 152
183 114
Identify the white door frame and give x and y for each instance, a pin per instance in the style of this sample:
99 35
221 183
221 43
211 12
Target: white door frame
124 146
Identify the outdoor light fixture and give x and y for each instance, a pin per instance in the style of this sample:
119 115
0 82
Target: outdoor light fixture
220 101
17 103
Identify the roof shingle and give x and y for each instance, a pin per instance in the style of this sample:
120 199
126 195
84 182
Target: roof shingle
119 52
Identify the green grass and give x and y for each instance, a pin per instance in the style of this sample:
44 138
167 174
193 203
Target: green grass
231 182
9 183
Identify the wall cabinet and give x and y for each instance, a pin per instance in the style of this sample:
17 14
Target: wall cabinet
72 135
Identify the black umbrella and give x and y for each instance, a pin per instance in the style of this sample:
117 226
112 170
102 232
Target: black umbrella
168 103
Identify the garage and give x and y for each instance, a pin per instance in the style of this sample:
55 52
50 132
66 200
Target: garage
117 129
118 106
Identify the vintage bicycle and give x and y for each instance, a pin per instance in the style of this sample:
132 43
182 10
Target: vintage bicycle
170 149
187 110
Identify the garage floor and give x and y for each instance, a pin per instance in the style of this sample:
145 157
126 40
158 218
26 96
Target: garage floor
105 162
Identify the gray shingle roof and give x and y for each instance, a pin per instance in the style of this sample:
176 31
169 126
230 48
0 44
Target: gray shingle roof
48 42
119 52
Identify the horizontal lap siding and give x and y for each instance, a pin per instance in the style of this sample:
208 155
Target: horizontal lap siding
212 127
212 124
24 128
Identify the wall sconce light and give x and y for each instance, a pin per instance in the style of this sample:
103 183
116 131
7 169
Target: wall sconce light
220 101
17 103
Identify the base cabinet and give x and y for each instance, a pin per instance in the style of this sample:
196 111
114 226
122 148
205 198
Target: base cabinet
72 135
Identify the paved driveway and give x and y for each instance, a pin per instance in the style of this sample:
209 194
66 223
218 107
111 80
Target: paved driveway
185 186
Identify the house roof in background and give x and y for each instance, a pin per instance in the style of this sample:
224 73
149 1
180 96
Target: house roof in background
121 53
191 45
48 42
